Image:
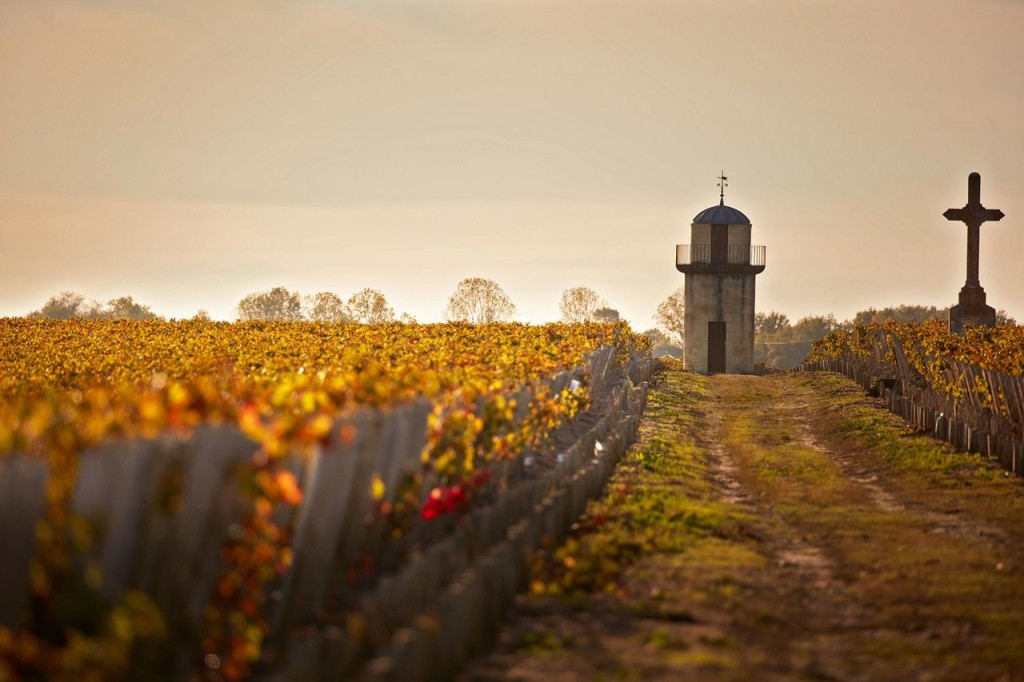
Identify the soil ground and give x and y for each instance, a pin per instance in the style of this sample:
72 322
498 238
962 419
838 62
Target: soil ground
781 527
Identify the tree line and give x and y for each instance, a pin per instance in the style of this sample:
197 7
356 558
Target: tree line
778 342
68 304
475 299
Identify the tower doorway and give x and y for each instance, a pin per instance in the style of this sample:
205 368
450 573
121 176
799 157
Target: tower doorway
716 346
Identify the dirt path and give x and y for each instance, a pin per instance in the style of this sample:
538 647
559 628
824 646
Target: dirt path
779 528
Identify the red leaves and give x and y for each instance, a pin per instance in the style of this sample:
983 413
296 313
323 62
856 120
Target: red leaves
444 500
454 498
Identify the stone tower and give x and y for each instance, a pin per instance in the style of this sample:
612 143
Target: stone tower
720 265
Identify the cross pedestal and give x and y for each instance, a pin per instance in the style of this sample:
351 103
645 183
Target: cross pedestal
972 308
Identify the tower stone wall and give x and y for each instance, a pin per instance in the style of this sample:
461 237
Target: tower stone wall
727 298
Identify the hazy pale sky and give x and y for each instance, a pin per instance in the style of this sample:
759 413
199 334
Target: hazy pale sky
189 152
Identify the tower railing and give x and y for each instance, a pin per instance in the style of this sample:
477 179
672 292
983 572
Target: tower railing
732 254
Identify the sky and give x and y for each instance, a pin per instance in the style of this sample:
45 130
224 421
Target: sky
189 152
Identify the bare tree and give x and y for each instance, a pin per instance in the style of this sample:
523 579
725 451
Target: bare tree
68 304
93 310
606 315
275 305
370 307
125 308
65 305
202 315
327 307
579 303
671 316
479 301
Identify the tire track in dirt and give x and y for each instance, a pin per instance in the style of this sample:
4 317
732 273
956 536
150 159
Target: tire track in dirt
863 476
810 562
863 469
800 570
723 468
891 569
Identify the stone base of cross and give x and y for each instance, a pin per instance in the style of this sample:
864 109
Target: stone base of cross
971 310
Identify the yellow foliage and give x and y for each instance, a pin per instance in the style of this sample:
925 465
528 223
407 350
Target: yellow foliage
69 385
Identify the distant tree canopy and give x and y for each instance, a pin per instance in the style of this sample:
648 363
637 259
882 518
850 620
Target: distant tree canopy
903 313
606 315
671 316
326 307
276 305
68 304
777 343
661 344
63 306
770 323
578 304
124 308
370 307
479 301
814 327
915 313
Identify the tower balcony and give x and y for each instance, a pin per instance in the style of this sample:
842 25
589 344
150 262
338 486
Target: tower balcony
726 259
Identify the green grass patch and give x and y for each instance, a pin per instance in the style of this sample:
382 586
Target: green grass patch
659 501
539 642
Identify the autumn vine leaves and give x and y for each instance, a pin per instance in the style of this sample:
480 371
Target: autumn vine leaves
66 386
928 346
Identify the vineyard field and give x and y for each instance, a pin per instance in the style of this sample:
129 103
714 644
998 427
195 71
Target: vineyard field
489 394
967 389
999 349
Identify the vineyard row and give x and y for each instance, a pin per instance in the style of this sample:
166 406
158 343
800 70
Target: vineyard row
224 523
967 389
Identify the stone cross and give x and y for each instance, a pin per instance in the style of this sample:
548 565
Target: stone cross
972 308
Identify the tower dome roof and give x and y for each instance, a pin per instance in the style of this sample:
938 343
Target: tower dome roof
721 215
